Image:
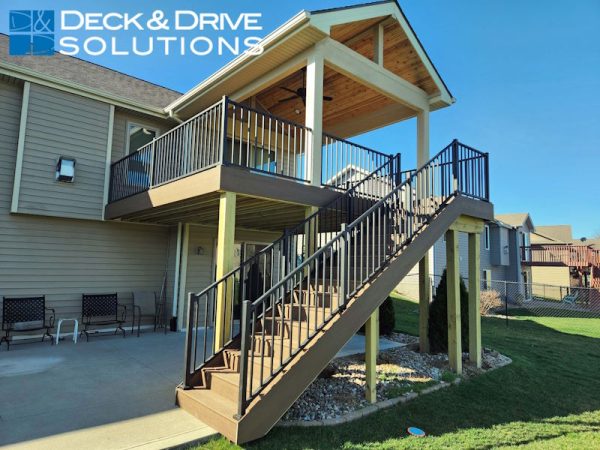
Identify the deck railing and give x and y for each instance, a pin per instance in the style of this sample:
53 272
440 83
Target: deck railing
344 162
274 262
242 137
347 261
567 255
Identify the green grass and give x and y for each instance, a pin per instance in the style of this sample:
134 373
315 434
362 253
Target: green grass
549 398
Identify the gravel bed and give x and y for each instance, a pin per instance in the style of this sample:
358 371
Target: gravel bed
340 387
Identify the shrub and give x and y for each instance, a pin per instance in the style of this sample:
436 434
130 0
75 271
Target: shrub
438 317
387 318
489 301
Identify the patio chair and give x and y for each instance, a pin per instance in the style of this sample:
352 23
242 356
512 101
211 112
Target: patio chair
571 298
26 314
147 304
102 309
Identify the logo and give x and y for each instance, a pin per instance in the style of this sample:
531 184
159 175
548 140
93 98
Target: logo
31 33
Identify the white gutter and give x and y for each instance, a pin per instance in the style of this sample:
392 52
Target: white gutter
233 66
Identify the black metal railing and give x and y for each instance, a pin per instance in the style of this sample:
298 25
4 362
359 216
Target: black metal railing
242 137
322 283
267 268
344 162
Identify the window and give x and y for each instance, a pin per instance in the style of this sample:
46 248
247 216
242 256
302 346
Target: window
487 237
138 135
487 279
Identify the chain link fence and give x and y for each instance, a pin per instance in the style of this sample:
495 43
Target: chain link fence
543 300
513 299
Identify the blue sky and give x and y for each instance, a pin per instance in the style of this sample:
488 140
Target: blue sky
526 76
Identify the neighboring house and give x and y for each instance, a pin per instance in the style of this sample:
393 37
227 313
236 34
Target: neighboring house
110 184
500 251
555 258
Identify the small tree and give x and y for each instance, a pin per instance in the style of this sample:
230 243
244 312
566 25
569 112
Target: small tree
438 317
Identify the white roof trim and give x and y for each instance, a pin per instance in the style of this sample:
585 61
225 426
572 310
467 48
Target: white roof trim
326 19
233 66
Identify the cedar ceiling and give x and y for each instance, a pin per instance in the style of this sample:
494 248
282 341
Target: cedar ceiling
399 56
351 100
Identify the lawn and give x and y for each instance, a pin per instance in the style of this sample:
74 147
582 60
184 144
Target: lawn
549 398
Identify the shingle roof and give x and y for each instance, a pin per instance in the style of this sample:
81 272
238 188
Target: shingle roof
561 233
94 76
515 219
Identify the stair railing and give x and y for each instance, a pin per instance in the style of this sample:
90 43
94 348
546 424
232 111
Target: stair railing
284 319
274 262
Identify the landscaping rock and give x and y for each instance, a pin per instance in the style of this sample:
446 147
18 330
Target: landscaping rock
338 395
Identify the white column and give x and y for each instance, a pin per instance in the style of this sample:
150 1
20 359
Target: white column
422 137
314 116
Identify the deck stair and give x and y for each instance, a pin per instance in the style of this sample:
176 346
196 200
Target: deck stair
326 277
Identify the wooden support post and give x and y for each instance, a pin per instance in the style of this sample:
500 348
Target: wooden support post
424 298
225 254
474 299
181 301
372 344
314 116
453 294
378 44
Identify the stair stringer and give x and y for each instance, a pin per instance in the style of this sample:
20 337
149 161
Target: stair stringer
270 405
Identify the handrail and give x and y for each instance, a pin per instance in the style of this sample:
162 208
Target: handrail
343 161
277 259
340 267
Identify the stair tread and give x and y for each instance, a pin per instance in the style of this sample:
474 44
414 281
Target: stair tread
213 401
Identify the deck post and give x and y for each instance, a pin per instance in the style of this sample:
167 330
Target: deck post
474 299
424 299
314 116
424 277
371 348
185 243
453 306
225 255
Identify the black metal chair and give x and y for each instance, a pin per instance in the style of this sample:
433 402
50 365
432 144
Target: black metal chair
147 304
102 309
24 314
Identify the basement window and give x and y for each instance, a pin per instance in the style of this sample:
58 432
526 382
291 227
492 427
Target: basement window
487 237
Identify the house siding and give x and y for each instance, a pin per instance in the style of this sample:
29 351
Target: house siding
62 124
552 276
63 258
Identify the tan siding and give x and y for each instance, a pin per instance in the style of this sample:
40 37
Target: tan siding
63 258
549 275
61 124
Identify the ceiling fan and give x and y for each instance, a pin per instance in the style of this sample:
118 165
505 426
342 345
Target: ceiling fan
300 92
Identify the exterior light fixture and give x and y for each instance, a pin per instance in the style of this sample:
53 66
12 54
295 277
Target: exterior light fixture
200 251
65 169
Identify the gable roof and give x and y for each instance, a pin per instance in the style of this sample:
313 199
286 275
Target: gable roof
562 233
291 39
86 75
385 6
516 219
540 238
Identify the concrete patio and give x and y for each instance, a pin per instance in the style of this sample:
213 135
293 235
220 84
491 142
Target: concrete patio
108 393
